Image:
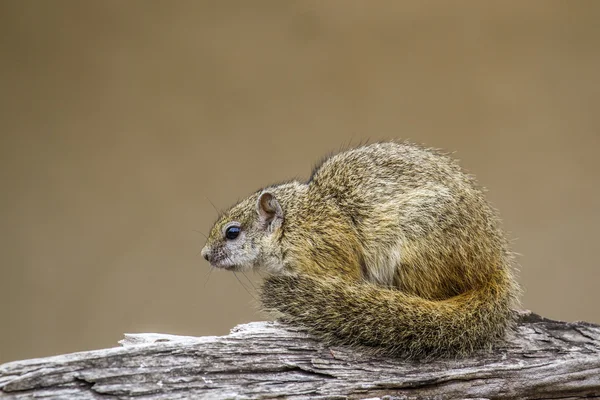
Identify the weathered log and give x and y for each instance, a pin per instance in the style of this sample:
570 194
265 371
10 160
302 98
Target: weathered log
543 359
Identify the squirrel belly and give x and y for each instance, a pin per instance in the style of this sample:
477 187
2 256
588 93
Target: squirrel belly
388 245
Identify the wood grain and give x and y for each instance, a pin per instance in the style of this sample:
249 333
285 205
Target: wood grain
542 359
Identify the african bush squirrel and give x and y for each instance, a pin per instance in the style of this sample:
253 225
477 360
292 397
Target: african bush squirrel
388 245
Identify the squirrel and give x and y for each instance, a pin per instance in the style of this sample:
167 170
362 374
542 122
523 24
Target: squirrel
388 246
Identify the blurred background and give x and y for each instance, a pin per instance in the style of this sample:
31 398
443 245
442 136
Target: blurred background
121 121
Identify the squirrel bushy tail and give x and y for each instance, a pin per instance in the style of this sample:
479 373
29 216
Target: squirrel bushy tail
391 321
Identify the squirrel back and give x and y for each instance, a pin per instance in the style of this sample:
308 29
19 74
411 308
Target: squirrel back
387 245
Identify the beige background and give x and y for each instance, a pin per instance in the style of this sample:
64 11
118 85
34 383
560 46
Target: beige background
120 118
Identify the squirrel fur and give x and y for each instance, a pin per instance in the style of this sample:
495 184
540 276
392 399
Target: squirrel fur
388 245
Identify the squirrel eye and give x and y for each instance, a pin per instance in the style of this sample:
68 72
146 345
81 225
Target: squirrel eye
232 232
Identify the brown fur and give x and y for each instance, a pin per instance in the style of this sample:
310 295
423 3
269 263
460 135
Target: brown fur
388 245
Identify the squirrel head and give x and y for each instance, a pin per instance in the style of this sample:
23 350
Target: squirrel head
246 236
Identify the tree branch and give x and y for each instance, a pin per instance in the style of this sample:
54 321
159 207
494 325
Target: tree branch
543 359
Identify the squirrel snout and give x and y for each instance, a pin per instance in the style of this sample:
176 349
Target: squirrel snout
205 253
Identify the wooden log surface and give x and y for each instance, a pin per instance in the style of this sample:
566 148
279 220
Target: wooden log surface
542 359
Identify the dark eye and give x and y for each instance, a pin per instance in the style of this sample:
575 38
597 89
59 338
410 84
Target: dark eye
232 232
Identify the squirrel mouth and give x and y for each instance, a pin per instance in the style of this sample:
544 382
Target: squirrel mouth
223 264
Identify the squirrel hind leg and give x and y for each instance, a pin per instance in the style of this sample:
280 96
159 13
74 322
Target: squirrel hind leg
381 267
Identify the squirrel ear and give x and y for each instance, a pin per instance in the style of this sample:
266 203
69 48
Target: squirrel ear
270 213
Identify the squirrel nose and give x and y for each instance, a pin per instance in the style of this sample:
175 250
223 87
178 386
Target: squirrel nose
205 253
